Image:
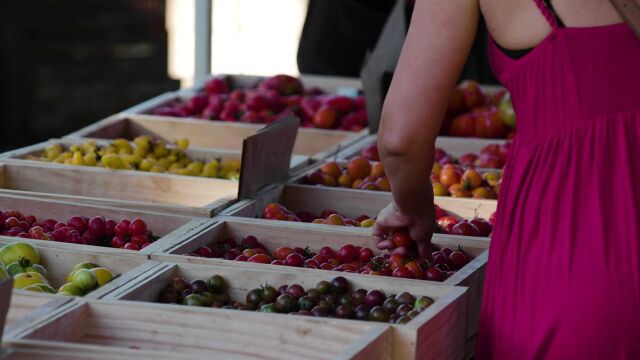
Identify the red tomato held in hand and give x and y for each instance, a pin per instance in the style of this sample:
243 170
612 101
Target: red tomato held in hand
401 238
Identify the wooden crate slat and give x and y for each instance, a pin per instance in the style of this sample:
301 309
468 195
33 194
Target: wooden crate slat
173 194
113 326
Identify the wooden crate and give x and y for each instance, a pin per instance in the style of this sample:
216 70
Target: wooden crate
317 143
349 202
437 333
204 155
143 331
313 143
59 263
172 229
455 146
276 234
175 194
27 307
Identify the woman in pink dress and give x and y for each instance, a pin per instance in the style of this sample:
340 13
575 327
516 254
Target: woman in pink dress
563 279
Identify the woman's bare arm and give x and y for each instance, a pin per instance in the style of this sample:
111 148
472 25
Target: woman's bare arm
437 45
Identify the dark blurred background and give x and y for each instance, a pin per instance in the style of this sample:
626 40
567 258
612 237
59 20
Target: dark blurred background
64 65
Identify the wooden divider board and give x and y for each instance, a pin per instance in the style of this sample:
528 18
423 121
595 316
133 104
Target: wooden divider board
313 143
276 234
175 194
455 146
27 307
60 262
50 350
171 228
143 330
349 202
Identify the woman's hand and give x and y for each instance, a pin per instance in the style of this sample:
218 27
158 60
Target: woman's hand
420 227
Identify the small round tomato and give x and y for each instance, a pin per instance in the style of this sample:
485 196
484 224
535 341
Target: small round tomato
401 238
395 261
365 254
294 259
349 267
320 259
241 258
248 252
347 253
310 263
334 262
282 253
447 220
260 258
402 272
415 269
326 266
434 274
260 251
457 260
327 252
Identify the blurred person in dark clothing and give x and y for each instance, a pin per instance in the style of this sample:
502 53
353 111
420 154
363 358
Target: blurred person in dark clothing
338 33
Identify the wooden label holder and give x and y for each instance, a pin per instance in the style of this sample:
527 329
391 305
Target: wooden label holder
266 156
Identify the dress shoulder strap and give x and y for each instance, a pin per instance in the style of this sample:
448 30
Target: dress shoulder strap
546 9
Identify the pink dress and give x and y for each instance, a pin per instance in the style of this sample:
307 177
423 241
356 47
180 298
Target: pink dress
563 279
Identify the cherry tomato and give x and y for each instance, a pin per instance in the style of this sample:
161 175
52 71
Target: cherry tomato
402 272
433 274
395 261
365 254
401 238
281 253
347 254
260 258
415 269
